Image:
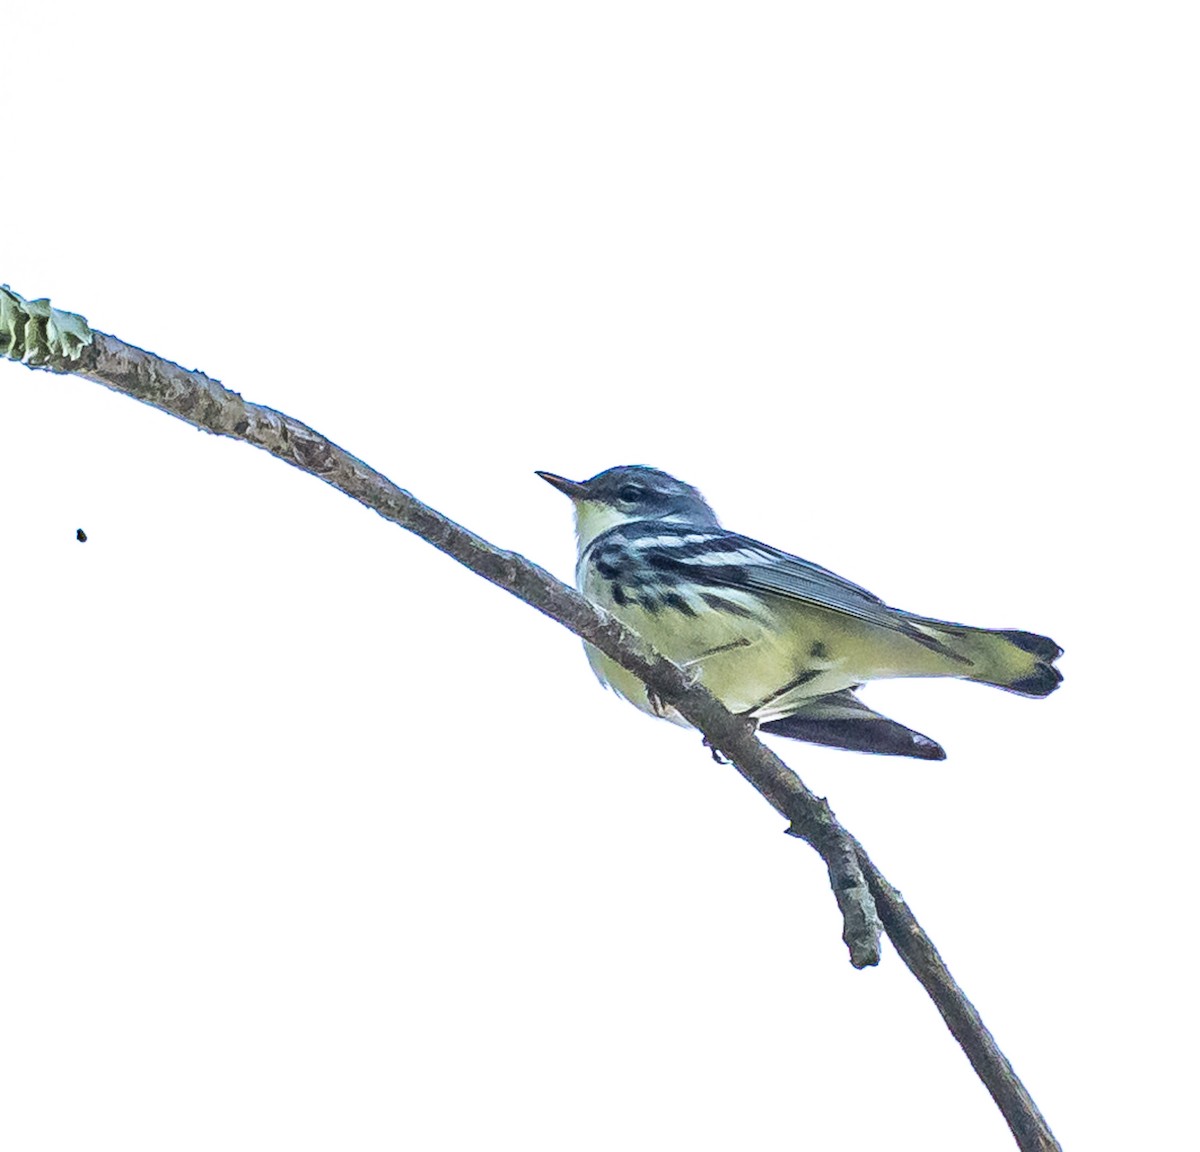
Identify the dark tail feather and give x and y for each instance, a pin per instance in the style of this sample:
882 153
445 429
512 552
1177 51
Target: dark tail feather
841 720
1040 646
1044 677
1040 682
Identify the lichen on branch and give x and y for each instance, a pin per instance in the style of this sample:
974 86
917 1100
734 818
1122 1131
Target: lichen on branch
37 334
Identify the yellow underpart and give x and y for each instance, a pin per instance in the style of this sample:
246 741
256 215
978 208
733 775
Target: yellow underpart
767 663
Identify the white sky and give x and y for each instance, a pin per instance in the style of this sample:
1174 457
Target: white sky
311 840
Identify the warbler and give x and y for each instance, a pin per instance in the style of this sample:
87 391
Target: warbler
774 637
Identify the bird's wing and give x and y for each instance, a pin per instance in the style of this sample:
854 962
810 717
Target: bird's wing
770 569
767 569
725 559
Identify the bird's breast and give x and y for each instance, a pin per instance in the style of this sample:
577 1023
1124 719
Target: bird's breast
732 641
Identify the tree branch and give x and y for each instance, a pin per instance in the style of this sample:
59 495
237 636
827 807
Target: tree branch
966 1025
43 337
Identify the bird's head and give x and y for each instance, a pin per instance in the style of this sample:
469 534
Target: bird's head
629 493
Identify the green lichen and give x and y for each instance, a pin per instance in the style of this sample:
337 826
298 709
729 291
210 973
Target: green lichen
34 333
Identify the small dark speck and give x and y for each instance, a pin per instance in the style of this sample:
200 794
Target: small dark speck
818 651
81 535
241 427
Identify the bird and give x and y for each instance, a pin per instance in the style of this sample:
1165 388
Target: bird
775 638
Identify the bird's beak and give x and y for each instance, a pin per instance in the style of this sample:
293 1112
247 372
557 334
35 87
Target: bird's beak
571 488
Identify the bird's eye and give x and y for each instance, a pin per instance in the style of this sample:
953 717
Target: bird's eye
630 494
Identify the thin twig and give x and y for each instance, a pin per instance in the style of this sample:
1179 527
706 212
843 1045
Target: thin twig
42 337
1028 1126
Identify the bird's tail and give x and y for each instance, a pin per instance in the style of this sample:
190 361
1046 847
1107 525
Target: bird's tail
842 720
1021 662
